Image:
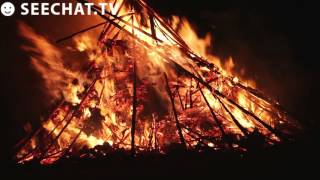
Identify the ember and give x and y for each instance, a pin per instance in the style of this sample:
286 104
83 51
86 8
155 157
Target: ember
148 83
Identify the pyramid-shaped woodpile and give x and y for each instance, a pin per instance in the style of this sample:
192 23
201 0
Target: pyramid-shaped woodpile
145 89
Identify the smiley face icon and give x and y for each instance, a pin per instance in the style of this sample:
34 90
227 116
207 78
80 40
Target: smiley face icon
7 9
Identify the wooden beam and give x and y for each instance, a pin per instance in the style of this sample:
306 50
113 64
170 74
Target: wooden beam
134 109
182 140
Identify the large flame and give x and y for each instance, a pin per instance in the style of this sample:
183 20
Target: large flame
97 107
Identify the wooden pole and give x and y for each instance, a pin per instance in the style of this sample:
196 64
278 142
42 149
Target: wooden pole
134 109
182 140
215 118
243 130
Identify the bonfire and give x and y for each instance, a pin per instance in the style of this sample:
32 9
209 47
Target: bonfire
147 83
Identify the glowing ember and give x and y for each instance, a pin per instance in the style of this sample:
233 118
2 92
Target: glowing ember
150 81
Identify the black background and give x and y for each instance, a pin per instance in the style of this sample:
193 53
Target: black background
275 41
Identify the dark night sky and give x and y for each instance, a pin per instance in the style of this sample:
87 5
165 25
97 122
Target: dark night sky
272 40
